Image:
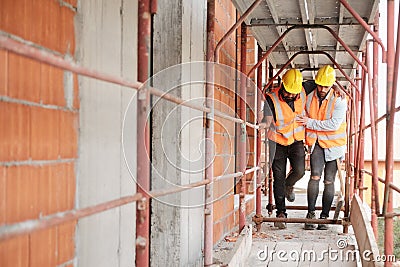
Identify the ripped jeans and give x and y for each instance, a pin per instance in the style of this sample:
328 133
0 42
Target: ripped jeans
318 164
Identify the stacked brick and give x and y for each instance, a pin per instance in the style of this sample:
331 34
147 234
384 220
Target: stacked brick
39 109
225 217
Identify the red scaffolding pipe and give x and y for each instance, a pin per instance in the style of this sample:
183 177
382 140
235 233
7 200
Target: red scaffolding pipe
26 227
269 177
233 28
10 43
375 70
277 42
392 67
143 137
354 119
374 104
312 53
374 141
242 138
347 187
381 118
153 6
13 230
209 149
7 42
357 137
360 146
391 185
366 27
258 91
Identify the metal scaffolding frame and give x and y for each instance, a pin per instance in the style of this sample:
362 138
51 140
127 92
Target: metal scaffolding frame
355 158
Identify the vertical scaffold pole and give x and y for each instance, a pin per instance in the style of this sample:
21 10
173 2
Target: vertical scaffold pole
258 90
242 114
209 146
143 137
375 190
391 99
360 151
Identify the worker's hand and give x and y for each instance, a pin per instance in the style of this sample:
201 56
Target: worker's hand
338 91
266 122
302 120
262 125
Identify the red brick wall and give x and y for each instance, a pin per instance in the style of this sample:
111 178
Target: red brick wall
250 61
38 136
224 215
225 15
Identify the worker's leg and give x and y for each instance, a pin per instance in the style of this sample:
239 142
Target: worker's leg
329 191
296 156
317 162
329 187
279 171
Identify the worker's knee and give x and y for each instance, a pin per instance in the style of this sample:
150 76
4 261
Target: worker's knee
298 171
327 182
316 178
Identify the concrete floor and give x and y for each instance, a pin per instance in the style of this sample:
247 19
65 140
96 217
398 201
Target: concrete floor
295 246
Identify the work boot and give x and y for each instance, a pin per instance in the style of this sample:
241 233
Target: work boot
322 226
280 225
289 193
310 226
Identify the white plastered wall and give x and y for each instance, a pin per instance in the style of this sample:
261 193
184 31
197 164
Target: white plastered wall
107 42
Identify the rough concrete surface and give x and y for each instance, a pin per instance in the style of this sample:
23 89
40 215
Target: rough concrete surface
294 241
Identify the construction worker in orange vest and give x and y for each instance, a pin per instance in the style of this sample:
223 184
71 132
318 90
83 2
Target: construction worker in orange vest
286 137
325 123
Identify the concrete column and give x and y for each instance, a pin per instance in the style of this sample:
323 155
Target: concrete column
177 133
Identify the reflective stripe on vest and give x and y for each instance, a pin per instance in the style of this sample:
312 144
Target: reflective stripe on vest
286 130
326 139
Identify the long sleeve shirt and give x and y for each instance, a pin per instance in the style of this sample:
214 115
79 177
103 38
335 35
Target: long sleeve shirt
338 116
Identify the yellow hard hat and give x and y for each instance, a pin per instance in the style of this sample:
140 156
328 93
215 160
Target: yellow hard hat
293 81
325 76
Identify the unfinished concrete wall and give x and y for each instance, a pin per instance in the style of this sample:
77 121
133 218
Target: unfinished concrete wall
107 42
177 133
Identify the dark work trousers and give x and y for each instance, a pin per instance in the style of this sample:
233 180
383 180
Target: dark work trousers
279 155
318 164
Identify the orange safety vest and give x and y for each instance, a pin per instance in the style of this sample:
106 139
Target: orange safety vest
285 129
326 139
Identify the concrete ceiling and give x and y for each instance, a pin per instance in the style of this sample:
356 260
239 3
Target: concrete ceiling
272 18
